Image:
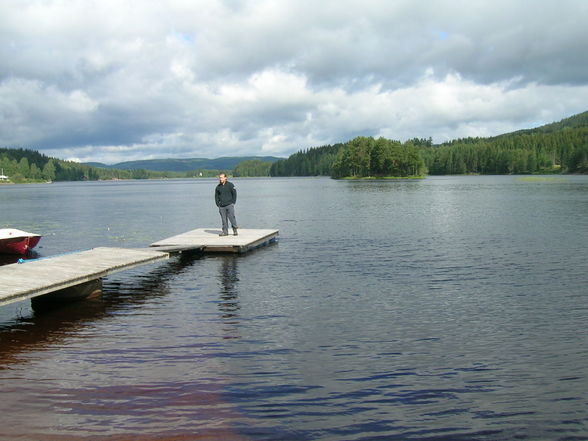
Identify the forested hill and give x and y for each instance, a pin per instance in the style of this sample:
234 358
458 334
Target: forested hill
576 121
185 164
23 165
559 147
316 161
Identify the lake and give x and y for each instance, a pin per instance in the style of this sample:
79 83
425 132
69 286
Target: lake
449 308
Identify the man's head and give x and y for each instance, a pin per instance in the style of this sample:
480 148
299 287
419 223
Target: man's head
222 178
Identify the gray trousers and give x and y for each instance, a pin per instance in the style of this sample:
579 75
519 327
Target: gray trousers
228 212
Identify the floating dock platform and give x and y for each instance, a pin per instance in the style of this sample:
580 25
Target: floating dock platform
37 277
207 240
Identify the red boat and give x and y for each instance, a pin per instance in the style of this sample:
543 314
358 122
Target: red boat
13 241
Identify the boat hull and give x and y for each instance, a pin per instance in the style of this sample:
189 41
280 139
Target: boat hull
18 244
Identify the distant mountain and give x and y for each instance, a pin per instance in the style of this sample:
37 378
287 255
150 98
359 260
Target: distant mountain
183 165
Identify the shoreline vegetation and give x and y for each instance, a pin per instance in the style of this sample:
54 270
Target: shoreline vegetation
553 149
556 148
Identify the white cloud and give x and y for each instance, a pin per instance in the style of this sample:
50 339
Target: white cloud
120 80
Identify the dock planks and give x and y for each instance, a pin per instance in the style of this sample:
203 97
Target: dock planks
208 240
20 281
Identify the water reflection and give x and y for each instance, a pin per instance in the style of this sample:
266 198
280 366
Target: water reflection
385 185
229 295
178 384
146 286
7 259
45 328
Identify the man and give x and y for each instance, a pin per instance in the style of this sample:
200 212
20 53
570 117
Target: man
225 196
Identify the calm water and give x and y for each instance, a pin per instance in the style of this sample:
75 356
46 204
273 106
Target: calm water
453 308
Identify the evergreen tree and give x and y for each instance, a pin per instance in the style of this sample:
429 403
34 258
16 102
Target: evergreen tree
49 170
252 167
366 157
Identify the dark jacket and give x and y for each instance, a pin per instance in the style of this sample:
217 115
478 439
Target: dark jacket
225 194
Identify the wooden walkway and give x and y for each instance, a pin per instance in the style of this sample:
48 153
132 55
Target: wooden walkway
36 277
20 281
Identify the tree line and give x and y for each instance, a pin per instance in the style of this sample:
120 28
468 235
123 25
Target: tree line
315 161
23 165
252 167
377 158
360 157
560 147
563 151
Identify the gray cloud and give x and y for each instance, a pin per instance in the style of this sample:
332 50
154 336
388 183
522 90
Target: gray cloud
118 80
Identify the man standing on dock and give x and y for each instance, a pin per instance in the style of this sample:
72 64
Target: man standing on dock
225 196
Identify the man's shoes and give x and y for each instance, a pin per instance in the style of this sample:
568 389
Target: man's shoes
224 234
235 232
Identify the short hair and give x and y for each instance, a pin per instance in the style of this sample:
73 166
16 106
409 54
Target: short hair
222 174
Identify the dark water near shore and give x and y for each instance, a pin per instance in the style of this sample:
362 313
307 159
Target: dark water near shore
453 308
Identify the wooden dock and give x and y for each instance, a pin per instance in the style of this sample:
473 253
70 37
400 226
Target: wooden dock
208 240
20 281
37 277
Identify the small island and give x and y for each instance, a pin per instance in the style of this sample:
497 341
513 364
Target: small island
369 158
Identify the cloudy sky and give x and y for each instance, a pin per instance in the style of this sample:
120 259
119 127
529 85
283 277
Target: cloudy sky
116 80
